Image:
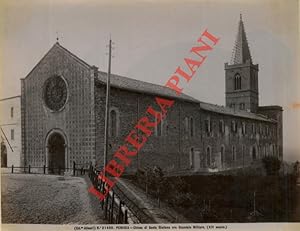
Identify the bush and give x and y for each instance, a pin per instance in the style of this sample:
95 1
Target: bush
174 190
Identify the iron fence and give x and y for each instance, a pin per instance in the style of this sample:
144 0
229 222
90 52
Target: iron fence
117 204
76 170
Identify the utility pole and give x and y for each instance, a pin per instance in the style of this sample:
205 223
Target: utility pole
107 108
254 202
255 214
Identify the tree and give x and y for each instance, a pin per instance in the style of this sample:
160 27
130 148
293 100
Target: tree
272 165
296 168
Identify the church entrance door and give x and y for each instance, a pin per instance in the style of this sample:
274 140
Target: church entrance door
56 153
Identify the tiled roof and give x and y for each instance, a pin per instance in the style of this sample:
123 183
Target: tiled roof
129 84
241 51
233 112
143 87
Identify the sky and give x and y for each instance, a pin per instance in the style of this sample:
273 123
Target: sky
151 38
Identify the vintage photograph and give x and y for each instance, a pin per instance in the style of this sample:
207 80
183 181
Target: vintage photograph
149 112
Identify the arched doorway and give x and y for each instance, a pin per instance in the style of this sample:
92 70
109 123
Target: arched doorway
56 152
3 155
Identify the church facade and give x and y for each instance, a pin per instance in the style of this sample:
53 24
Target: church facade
63 111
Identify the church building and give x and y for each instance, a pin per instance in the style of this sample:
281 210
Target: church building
10 131
63 111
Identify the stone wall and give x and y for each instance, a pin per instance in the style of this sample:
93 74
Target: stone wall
172 149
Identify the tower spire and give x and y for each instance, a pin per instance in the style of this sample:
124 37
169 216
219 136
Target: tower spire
241 51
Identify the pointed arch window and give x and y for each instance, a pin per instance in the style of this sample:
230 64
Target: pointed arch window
191 126
233 126
237 82
265 151
208 125
166 130
192 158
186 125
222 155
233 153
253 128
243 154
242 106
159 128
113 123
244 127
208 156
271 150
254 153
221 126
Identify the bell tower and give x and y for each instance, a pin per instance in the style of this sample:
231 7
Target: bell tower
241 75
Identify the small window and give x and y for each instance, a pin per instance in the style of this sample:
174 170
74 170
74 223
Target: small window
254 153
232 105
166 131
192 158
191 126
208 156
253 128
208 125
222 155
274 149
242 106
233 153
244 128
243 153
159 128
233 126
221 126
186 125
264 151
12 112
113 123
12 134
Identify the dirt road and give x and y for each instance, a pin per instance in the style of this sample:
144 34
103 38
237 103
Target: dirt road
48 199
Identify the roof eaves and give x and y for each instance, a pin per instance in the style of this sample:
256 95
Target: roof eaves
190 99
74 56
233 113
